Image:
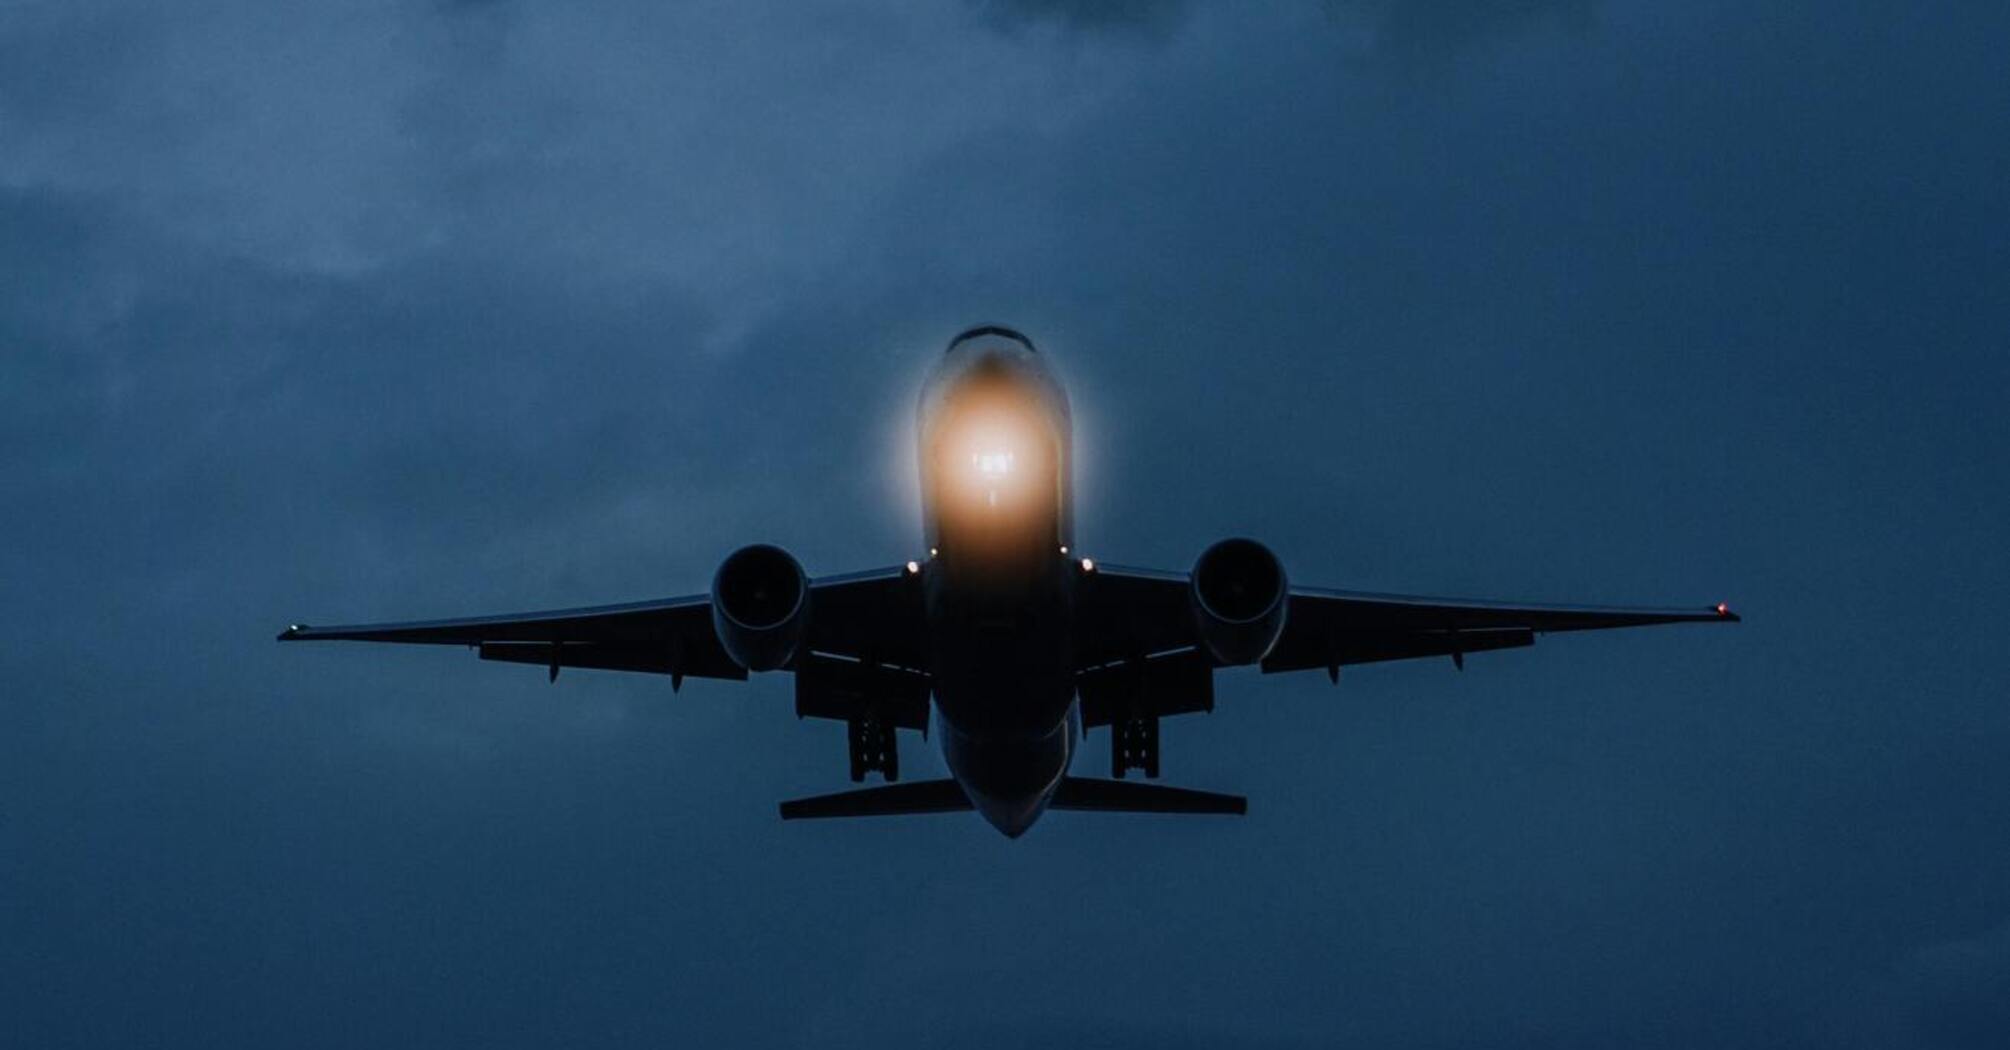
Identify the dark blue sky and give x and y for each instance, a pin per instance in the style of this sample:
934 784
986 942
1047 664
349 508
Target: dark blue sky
397 309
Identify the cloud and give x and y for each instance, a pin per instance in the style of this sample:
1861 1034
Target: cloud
393 314
1438 28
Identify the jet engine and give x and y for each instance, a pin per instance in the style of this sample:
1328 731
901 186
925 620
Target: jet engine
1239 600
760 606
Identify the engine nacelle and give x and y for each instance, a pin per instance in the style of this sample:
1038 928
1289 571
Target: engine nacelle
1239 600
760 606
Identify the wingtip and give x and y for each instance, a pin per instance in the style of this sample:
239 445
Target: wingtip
1724 613
291 632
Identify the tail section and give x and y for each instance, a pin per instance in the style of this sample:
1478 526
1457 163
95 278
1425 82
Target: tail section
921 796
1126 796
1074 793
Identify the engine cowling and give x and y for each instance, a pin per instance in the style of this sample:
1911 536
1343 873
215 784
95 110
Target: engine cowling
760 606
1239 598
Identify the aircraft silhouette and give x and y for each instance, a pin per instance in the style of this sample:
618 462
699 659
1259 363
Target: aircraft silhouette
1021 644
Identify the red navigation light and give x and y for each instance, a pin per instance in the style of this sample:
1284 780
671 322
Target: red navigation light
1723 609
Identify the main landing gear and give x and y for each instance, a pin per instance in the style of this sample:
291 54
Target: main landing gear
1134 744
873 746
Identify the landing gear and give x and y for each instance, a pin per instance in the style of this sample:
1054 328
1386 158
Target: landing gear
873 747
1134 744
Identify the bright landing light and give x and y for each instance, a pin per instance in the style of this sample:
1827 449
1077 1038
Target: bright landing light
991 456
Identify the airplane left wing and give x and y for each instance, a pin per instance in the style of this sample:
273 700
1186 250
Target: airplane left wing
867 615
671 636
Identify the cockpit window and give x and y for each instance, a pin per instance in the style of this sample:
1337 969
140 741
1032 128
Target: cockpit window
993 329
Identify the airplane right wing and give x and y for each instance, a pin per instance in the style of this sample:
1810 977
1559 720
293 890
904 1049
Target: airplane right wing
1132 615
1329 628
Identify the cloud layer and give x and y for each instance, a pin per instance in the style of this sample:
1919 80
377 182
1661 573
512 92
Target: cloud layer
405 309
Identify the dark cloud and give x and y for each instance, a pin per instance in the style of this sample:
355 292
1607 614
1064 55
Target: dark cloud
1437 27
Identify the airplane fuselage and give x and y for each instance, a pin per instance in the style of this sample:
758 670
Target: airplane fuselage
996 457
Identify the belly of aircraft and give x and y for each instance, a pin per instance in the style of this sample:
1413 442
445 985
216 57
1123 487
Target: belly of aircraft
1005 693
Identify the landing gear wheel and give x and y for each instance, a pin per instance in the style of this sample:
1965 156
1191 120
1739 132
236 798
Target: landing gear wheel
873 746
1134 744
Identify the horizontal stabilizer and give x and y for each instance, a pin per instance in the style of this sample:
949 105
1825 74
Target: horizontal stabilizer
1125 796
922 796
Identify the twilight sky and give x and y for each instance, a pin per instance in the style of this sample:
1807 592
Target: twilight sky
395 309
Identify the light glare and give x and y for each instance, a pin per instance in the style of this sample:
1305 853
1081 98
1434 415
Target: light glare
993 464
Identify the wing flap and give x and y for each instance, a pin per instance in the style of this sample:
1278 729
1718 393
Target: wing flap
827 687
610 657
1370 648
1175 683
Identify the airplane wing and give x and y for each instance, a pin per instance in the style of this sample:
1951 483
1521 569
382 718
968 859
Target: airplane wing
1144 612
1328 628
865 615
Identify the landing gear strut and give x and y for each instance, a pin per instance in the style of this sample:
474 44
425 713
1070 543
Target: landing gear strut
873 747
1134 744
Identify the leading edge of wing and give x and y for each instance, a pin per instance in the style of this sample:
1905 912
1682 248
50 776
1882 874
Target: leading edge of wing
1658 614
585 623
1539 616
467 630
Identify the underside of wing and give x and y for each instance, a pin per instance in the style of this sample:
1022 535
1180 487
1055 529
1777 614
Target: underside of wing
861 617
1127 614
1134 619
671 636
1329 628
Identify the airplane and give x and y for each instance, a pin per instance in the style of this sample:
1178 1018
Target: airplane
1016 641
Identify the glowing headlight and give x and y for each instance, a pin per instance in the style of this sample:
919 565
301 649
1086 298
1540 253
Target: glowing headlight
992 464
